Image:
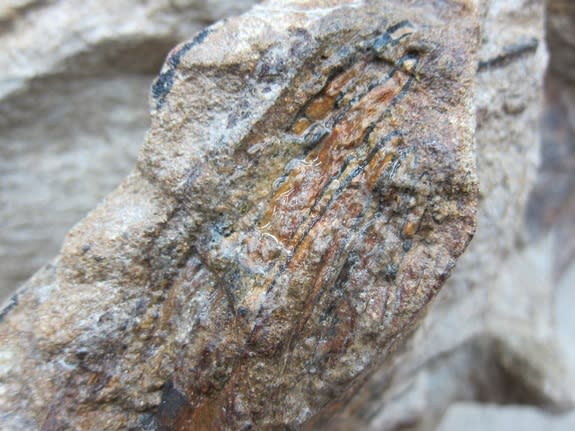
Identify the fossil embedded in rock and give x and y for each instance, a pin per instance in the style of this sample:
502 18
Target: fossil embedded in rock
304 190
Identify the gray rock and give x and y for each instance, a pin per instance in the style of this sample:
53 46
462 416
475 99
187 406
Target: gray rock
489 336
503 418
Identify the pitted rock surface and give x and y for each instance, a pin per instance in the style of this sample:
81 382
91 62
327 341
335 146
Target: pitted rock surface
305 189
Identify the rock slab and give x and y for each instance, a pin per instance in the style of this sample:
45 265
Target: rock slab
489 337
305 189
73 80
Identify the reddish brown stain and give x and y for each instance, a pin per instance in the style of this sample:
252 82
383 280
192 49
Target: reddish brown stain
301 125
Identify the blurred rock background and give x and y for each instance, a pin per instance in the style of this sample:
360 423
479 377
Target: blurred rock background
497 349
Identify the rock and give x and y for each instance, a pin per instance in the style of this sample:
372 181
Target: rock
503 418
73 83
552 202
305 189
561 37
489 336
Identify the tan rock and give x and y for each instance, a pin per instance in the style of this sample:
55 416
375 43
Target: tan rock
304 191
74 78
489 336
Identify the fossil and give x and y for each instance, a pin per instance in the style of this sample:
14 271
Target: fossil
305 188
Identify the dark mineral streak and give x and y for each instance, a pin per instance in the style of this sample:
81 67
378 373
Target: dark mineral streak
305 189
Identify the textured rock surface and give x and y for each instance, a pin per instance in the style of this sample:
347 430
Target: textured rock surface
73 83
463 350
544 272
299 200
489 336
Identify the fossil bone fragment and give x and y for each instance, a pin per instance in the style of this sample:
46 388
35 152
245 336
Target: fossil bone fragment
305 189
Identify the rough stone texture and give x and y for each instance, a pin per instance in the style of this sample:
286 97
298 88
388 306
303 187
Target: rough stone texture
489 336
496 344
547 261
74 78
299 199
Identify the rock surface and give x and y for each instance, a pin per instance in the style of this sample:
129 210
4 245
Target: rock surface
74 78
299 199
552 203
489 336
505 290
503 418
